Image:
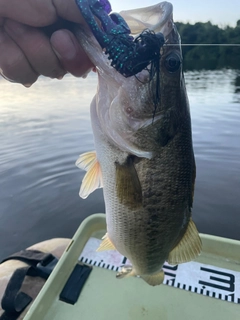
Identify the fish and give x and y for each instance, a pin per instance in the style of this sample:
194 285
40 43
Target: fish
143 156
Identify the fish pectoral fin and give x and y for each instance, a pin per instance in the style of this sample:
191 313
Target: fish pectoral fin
106 244
129 190
154 279
86 160
188 248
93 178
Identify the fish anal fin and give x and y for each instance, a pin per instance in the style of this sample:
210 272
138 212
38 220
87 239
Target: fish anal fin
93 178
188 248
106 244
154 279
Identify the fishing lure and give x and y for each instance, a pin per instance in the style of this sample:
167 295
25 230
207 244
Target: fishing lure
128 56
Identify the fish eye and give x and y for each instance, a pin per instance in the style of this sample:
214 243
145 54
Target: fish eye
172 62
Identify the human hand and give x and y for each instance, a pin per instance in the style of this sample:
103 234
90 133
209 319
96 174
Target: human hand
26 51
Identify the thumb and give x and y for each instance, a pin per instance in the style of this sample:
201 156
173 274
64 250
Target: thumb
71 55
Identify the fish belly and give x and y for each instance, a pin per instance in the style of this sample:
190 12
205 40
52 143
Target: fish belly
144 232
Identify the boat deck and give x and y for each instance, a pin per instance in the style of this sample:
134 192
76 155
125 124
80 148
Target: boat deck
104 297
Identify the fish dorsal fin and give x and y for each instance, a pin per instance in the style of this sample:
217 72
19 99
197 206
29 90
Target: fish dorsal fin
106 244
93 178
188 248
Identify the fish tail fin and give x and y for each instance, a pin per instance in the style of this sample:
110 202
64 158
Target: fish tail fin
93 178
154 279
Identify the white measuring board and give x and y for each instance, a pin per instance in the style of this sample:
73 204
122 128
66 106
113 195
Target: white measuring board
196 277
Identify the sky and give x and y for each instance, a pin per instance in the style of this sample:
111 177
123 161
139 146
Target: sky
221 12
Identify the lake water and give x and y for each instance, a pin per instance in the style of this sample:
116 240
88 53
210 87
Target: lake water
43 130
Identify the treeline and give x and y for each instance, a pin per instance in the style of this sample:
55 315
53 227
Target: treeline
197 57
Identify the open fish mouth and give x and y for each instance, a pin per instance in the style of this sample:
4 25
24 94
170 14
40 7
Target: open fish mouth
158 18
129 55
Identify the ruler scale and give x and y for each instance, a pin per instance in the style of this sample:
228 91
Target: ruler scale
193 276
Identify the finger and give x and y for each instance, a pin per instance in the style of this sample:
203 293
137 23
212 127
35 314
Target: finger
72 56
13 63
36 47
39 13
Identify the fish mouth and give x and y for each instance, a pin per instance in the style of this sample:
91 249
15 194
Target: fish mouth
158 18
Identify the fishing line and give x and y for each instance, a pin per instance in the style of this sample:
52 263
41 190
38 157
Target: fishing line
204 44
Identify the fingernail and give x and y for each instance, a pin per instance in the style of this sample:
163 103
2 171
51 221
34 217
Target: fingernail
66 50
27 85
60 77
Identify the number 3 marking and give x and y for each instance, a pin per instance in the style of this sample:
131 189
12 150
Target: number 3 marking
229 280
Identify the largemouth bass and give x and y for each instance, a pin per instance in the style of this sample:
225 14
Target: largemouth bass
144 157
